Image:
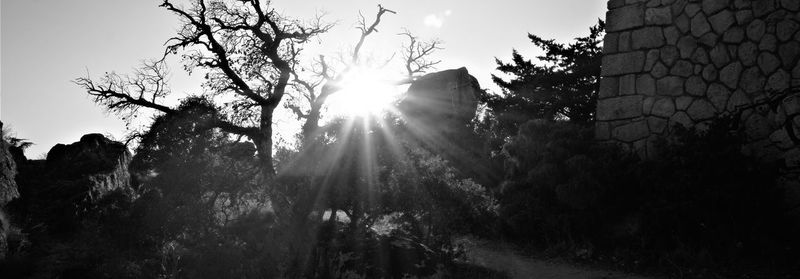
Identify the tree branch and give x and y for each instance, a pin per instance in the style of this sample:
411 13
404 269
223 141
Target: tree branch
366 31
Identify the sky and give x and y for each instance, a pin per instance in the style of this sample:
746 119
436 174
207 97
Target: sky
45 44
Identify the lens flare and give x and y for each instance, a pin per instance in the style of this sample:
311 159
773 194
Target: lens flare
365 92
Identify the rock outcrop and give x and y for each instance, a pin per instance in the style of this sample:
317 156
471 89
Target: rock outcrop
95 164
8 189
8 171
438 109
448 97
73 178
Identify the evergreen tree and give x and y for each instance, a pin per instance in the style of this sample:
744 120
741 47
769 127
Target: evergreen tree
563 87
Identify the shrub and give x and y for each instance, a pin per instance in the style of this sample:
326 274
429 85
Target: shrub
701 203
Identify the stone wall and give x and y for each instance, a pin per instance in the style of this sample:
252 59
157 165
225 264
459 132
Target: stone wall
686 62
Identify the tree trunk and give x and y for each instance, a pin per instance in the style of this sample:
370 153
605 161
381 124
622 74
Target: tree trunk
264 143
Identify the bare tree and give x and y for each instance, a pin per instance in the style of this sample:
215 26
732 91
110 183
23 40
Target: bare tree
327 81
247 48
416 54
248 51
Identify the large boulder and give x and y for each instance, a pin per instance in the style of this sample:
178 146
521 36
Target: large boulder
8 189
71 181
447 97
438 109
8 171
90 168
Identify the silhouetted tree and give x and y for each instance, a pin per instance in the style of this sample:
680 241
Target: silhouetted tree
563 87
328 75
248 51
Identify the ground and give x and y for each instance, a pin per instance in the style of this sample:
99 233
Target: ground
502 257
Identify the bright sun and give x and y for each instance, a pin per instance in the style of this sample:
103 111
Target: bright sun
364 92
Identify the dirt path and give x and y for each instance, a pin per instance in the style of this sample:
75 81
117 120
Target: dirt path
500 257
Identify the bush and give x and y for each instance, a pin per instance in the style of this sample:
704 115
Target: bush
702 203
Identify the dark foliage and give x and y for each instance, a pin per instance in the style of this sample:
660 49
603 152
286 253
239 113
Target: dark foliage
701 204
401 204
563 86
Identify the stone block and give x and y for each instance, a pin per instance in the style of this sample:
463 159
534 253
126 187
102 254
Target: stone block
663 107
686 46
656 125
768 62
613 4
721 21
713 6
611 43
737 101
732 51
645 85
682 68
624 44
768 43
730 74
648 37
742 4
669 55
659 70
701 110
623 63
682 22
696 86
709 39
792 5
719 56
627 84
626 17
778 81
658 16
710 73
609 87
650 61
677 5
781 139
733 35
670 86
757 126
748 53
683 102
755 30
763 7
700 25
752 81
700 56
692 9
631 132
786 29
791 105
789 53
647 105
671 35
718 95
744 17
619 108
681 118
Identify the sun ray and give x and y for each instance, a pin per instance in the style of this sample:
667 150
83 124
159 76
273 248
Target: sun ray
364 92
